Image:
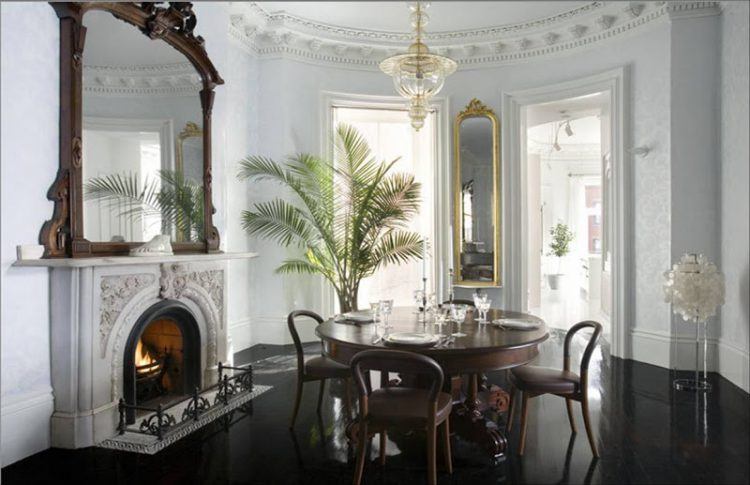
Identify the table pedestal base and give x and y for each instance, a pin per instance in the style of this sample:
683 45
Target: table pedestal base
468 419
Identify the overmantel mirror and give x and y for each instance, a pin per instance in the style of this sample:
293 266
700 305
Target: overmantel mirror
136 92
476 197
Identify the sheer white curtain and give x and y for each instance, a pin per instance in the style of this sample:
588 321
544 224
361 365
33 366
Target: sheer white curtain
390 136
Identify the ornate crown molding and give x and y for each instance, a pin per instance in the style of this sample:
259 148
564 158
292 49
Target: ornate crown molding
137 81
282 35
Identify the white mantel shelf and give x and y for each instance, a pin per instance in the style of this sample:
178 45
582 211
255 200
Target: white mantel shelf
130 260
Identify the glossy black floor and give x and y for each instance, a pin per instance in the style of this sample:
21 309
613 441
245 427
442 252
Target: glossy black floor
647 434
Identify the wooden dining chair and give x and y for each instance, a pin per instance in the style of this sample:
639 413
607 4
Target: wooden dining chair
532 381
319 368
460 301
402 407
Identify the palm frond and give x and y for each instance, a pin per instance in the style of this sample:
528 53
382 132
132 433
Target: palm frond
176 199
297 266
280 221
396 247
352 212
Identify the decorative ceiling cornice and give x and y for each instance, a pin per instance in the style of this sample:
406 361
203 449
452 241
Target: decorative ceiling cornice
282 35
283 19
142 80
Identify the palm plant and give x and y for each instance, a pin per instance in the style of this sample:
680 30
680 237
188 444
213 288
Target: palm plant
350 216
178 200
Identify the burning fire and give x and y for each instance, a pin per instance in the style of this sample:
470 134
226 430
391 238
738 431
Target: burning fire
144 361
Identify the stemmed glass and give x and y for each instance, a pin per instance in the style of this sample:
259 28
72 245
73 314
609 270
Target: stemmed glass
458 312
431 303
482 304
386 307
375 310
419 300
440 318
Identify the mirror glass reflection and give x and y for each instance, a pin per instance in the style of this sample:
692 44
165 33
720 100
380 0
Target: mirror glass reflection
477 235
142 137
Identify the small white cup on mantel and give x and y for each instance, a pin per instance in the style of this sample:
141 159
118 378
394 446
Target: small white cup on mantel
29 251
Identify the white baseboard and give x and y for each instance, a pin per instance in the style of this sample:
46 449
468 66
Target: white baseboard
273 330
650 347
678 352
734 364
241 334
25 427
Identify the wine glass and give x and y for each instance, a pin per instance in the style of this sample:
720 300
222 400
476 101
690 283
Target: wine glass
458 312
386 307
440 318
419 300
487 306
431 303
375 310
482 304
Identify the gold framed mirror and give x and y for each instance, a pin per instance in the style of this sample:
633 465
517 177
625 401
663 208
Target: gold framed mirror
189 147
476 197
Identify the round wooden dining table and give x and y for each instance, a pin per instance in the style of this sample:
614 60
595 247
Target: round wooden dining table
485 347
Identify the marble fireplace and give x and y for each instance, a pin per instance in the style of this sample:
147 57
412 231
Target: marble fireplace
150 328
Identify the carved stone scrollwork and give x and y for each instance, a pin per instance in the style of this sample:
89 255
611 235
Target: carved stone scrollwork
117 292
175 279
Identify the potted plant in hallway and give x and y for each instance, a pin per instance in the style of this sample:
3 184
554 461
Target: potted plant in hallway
562 236
347 217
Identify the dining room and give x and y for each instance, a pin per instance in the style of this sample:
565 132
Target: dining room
375 242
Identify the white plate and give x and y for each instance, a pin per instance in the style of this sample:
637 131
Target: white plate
411 338
361 316
516 324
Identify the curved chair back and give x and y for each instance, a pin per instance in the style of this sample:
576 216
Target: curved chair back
395 361
460 301
587 352
295 336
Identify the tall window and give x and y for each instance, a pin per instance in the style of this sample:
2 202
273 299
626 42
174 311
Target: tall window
390 136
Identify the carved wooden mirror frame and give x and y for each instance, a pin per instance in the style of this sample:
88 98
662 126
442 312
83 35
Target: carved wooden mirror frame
62 235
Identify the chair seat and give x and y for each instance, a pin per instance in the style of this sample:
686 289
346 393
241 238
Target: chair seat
394 405
322 366
545 380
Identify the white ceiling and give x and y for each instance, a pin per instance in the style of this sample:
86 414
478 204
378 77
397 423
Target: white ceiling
444 16
588 105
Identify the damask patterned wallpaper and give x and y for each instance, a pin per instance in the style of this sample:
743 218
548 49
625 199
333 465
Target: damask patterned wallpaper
735 159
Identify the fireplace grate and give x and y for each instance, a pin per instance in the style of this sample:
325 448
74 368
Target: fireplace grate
162 419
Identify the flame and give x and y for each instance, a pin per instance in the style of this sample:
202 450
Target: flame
144 359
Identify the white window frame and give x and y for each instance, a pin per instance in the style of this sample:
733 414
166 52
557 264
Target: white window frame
331 100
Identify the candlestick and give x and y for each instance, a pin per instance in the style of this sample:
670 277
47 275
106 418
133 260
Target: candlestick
424 300
450 286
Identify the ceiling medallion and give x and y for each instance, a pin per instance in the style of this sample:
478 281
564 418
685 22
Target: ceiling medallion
418 75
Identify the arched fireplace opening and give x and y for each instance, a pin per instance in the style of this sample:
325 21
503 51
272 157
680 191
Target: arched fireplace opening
162 356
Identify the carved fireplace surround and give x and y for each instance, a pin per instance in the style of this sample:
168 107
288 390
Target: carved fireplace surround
95 303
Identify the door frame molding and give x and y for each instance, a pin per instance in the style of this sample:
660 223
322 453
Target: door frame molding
615 82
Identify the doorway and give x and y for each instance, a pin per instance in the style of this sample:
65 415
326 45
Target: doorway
568 227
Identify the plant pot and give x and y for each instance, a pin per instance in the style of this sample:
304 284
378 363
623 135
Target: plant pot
554 280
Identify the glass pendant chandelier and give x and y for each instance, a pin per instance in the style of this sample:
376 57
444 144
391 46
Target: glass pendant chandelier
418 75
